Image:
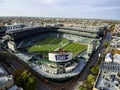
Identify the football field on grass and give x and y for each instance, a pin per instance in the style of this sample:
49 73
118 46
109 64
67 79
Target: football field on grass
76 48
53 43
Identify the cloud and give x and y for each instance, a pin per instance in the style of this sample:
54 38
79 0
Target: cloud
61 8
47 1
1 2
107 8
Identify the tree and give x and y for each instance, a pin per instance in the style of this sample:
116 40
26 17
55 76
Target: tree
90 79
106 44
81 87
25 79
94 70
3 55
18 72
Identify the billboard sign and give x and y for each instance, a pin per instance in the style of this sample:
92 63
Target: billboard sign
60 57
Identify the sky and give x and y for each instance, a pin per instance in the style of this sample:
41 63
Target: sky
98 9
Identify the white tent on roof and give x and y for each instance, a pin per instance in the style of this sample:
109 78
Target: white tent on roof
108 58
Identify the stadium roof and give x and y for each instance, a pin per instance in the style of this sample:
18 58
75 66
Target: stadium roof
81 29
22 29
86 34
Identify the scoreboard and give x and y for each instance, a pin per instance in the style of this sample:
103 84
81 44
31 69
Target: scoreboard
60 57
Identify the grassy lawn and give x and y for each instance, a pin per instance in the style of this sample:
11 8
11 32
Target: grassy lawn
47 44
75 47
53 43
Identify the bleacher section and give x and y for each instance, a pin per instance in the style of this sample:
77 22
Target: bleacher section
89 30
20 33
24 37
85 34
31 40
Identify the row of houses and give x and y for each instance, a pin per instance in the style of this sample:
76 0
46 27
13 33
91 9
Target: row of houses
109 73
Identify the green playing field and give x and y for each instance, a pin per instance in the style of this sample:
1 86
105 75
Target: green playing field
75 47
53 43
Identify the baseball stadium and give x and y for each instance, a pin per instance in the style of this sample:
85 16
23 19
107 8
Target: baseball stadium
56 53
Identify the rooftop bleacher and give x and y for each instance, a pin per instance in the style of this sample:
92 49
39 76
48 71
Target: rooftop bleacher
107 82
110 67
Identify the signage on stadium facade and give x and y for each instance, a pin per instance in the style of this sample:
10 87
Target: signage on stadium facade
60 57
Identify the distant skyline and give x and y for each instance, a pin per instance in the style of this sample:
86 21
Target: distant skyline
98 9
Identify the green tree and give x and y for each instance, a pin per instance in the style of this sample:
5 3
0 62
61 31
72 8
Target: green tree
90 79
18 72
81 87
25 79
94 70
106 44
3 55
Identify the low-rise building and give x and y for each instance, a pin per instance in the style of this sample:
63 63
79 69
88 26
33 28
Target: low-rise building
115 42
6 81
109 75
